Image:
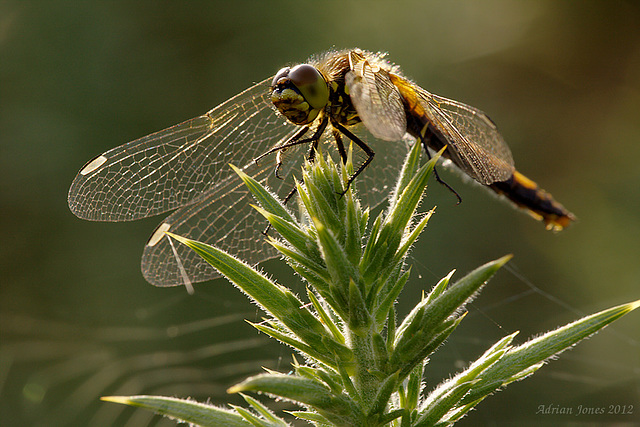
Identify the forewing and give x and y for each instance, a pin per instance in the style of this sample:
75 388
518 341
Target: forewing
175 166
376 99
473 139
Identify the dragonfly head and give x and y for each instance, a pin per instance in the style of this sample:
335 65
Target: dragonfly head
300 93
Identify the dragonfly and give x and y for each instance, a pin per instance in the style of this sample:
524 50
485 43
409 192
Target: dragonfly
337 98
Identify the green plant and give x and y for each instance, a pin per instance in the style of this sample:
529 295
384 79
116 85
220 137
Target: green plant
362 368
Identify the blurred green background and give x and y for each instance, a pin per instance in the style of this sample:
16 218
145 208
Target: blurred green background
561 79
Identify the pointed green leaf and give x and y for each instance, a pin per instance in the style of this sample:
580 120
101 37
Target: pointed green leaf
364 220
459 412
331 379
438 310
380 352
473 372
251 418
381 400
276 299
440 287
293 234
187 411
313 417
382 311
438 408
391 328
409 169
337 408
411 238
266 413
535 351
338 265
323 206
326 319
400 213
422 345
316 274
324 357
353 240
267 200
414 387
390 416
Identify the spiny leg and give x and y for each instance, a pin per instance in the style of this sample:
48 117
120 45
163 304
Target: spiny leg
368 151
341 150
315 141
295 140
426 136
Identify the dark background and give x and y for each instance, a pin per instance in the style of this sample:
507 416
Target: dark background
561 79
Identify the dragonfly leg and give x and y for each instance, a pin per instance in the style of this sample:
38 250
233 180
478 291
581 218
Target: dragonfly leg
426 136
341 150
368 151
315 140
294 140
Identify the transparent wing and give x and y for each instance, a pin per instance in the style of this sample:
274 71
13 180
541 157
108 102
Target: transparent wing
473 140
376 99
223 217
175 166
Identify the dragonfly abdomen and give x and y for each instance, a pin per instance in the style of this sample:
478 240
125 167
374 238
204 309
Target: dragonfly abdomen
519 189
527 195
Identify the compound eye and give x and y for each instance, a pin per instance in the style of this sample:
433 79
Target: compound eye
310 83
283 73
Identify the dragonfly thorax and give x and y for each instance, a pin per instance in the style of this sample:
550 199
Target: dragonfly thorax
300 93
